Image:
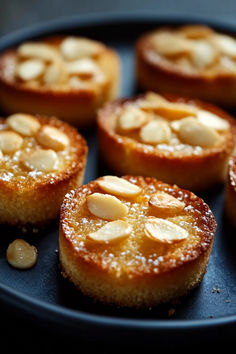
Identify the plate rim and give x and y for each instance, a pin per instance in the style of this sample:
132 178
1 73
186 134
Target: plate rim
30 305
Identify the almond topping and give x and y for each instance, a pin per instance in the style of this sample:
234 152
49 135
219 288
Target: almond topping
85 68
75 48
226 44
203 54
112 231
54 74
52 138
164 204
106 206
164 231
173 111
196 31
193 132
21 255
212 121
10 141
169 44
41 51
155 132
119 186
132 118
42 160
151 101
24 124
1 156
30 69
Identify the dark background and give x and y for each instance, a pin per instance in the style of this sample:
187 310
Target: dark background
16 334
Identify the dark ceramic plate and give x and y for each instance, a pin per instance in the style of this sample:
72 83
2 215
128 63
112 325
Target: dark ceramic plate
43 295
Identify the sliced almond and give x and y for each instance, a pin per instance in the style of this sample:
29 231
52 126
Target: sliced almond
54 74
226 44
39 50
41 160
173 111
112 231
151 101
164 231
164 204
52 138
170 44
203 54
24 124
193 132
10 141
196 31
30 69
119 186
1 156
155 132
106 206
75 48
212 121
132 118
85 67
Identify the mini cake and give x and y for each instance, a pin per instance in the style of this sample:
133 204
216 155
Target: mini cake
69 77
134 241
193 61
173 139
41 160
230 192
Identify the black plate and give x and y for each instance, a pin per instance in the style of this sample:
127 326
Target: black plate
42 295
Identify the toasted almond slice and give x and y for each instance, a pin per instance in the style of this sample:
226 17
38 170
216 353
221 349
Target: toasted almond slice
39 50
1 156
75 48
10 141
118 186
226 44
52 138
106 206
155 132
203 54
196 31
85 67
170 44
193 132
164 231
151 101
55 73
112 231
132 118
174 111
164 204
24 124
213 121
41 160
30 69
20 254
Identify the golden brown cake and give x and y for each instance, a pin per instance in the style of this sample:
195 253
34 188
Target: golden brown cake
193 61
41 160
69 77
173 139
230 192
134 241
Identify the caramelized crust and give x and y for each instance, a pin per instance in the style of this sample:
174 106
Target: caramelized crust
135 271
34 197
173 74
75 105
230 192
198 169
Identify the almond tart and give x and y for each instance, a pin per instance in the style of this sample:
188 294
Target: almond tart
41 159
230 192
134 241
194 61
173 139
66 76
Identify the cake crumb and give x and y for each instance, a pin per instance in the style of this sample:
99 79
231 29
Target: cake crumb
216 290
228 300
171 312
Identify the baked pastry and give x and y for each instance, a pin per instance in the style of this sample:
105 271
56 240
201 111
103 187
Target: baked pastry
193 61
230 192
134 241
173 139
63 76
41 160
